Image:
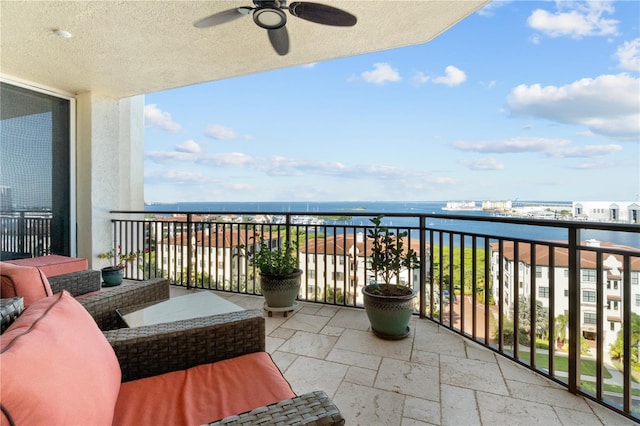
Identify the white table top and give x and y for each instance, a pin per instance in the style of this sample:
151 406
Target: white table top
196 305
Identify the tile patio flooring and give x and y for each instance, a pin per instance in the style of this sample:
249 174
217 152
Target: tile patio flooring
434 377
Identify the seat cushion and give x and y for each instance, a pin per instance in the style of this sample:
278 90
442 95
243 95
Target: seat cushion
54 265
25 281
57 367
202 394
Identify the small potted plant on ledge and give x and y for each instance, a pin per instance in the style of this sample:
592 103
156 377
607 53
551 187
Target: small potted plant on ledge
388 303
280 276
113 275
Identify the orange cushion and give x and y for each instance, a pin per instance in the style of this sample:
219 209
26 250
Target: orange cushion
202 394
57 367
54 264
26 281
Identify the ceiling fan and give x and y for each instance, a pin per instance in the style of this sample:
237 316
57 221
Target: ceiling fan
270 16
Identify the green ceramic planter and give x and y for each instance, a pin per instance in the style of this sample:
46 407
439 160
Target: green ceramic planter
112 276
389 315
280 291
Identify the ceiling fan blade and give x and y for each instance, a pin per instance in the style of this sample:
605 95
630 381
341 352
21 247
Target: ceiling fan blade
222 17
322 14
280 40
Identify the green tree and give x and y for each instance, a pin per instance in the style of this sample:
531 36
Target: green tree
561 324
463 285
617 348
524 322
338 294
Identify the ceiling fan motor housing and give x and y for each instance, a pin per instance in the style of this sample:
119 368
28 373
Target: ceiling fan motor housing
269 18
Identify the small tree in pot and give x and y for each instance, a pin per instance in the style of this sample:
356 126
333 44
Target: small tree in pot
113 275
388 303
279 276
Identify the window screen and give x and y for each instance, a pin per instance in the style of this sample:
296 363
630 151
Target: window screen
34 173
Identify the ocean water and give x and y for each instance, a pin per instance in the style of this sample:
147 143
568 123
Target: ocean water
362 211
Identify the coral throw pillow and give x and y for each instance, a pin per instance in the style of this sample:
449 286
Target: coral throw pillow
25 281
57 367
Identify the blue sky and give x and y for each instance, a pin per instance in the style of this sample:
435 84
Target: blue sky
522 100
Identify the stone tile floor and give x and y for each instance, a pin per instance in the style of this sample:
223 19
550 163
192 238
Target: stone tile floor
433 377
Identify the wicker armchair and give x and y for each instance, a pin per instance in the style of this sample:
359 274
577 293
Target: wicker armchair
161 348
102 306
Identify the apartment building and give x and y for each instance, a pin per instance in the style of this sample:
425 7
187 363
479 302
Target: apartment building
607 211
343 262
220 252
536 262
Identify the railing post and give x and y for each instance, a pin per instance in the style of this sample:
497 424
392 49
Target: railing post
115 242
574 309
627 334
287 229
423 267
189 248
22 232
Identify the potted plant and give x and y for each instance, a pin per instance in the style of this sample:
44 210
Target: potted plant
388 303
280 276
113 275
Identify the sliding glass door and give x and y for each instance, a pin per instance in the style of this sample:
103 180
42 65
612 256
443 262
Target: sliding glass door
35 173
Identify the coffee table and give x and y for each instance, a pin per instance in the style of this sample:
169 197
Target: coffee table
196 305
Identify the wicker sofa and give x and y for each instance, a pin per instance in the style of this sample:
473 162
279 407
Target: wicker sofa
185 372
211 369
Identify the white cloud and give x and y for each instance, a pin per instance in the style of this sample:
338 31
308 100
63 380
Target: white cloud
382 73
175 177
453 77
190 179
607 105
482 164
628 55
489 9
228 159
421 78
189 146
557 148
588 151
443 180
167 156
595 165
514 145
217 131
575 19
285 166
155 117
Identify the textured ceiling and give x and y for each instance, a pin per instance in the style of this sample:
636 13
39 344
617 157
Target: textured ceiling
125 48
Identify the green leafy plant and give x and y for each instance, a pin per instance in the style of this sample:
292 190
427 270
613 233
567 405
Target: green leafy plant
280 261
119 258
389 257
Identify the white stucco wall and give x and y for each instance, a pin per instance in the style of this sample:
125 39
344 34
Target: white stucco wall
110 169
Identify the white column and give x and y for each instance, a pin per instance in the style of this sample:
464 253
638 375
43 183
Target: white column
110 167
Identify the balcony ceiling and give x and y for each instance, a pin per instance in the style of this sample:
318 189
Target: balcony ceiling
125 48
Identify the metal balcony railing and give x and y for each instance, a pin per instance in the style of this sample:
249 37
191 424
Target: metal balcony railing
559 297
25 234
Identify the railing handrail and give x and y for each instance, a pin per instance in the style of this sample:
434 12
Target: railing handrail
552 223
